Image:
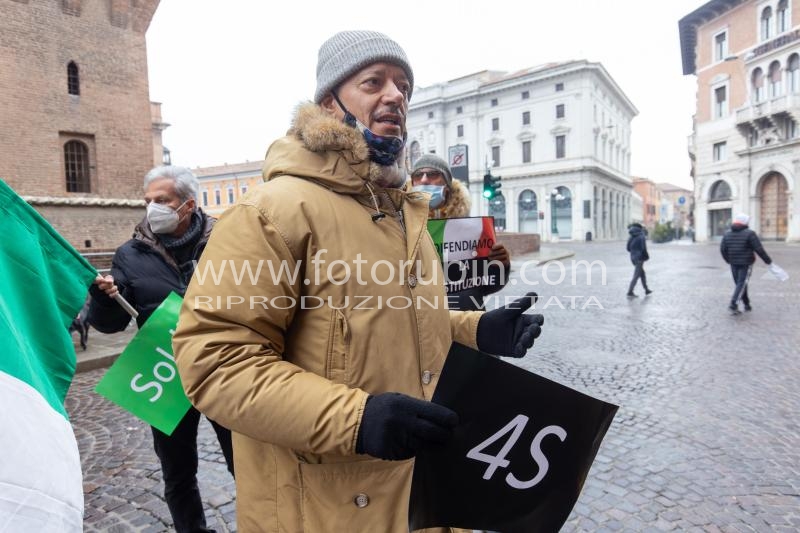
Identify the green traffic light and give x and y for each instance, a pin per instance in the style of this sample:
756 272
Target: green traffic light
488 186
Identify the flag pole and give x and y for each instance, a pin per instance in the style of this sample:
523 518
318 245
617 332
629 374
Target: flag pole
125 305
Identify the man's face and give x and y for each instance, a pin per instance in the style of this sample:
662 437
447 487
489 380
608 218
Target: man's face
428 176
162 191
377 96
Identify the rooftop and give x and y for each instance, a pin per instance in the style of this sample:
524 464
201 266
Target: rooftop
246 167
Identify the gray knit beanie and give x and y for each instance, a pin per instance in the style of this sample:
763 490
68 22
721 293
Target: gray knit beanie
347 52
434 161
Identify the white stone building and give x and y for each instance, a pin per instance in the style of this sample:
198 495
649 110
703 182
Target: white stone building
558 135
745 146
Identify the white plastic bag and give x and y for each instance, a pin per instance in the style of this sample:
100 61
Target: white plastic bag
778 272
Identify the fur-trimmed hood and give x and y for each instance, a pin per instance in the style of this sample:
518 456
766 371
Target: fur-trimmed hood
458 203
323 149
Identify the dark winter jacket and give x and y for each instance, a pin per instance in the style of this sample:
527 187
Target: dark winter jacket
740 245
145 273
637 245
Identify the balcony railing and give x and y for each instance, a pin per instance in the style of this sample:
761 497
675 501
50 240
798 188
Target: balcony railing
778 105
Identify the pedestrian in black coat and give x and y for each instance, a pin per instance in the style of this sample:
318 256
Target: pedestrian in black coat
637 246
739 247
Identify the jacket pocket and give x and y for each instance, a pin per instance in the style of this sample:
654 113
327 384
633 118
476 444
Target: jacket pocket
338 348
360 496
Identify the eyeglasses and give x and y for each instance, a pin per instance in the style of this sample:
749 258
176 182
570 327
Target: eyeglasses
432 174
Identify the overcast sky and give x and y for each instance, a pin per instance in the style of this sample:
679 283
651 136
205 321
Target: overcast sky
229 73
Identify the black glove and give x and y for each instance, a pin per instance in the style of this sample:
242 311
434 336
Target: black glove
506 331
395 426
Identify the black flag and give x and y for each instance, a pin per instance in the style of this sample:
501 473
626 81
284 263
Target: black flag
519 456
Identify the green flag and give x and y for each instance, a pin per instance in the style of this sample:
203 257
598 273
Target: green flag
43 284
144 379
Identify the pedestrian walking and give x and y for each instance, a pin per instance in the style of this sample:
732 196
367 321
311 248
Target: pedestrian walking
160 259
739 247
637 246
325 377
450 199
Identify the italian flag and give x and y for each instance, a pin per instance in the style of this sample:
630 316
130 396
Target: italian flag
43 284
471 238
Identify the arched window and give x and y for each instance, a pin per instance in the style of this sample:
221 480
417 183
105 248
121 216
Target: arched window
73 79
783 16
775 74
720 191
758 85
527 201
793 73
76 161
766 23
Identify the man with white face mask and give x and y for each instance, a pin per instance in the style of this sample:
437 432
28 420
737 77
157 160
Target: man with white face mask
159 259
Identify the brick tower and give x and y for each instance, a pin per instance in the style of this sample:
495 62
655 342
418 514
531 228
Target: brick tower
76 133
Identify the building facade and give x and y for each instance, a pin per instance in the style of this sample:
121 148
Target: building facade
222 186
745 147
558 135
675 207
651 201
78 131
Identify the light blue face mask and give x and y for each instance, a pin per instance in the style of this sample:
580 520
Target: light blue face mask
436 192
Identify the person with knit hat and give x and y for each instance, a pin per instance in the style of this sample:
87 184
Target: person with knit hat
739 247
323 361
450 199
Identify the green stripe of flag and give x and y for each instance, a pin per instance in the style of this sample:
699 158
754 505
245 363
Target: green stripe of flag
43 283
436 229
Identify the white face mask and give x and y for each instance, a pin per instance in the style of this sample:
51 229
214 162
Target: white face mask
163 218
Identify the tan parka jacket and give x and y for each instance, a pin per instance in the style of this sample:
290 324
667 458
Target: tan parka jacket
288 364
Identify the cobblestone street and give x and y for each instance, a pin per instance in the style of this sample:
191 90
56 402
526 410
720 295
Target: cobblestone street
707 437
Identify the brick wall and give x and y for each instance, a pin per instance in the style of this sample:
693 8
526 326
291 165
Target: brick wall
107 42
105 227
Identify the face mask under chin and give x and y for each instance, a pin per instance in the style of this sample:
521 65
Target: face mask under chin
383 149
